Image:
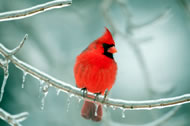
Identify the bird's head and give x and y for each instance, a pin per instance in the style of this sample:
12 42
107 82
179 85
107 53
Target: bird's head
105 44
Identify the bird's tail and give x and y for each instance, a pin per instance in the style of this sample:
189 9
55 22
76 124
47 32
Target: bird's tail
91 111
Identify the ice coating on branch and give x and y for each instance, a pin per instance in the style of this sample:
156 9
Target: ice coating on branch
20 14
23 78
6 75
13 120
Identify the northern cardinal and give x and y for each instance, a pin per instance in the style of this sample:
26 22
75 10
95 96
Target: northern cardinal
95 70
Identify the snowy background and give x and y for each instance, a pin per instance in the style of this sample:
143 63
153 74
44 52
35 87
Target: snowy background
153 60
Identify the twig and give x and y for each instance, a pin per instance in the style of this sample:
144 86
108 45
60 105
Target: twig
19 14
105 6
158 18
186 6
15 50
123 104
13 120
5 66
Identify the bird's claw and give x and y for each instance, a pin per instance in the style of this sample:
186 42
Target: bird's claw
84 92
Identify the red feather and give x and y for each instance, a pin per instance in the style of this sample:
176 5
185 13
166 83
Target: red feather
95 70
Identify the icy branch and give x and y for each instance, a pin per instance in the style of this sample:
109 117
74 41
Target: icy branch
4 65
13 120
19 14
15 50
65 87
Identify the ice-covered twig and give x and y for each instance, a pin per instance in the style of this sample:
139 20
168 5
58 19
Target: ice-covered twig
123 104
13 120
5 66
15 50
19 14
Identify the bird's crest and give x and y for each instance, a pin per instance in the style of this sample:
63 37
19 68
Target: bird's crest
106 37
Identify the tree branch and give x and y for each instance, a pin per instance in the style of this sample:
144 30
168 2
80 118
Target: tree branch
19 14
65 87
13 120
4 65
15 50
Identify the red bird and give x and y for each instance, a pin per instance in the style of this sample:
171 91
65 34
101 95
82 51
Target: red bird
95 70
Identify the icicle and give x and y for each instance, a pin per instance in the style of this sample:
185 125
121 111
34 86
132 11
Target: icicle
79 99
96 105
45 92
123 113
41 85
71 95
114 108
41 82
68 104
23 78
105 106
58 91
3 85
50 85
43 101
45 88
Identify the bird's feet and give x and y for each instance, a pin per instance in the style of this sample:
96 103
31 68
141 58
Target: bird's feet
84 92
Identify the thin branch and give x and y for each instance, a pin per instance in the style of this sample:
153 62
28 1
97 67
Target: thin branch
15 50
185 5
65 87
156 19
105 6
19 14
5 66
13 120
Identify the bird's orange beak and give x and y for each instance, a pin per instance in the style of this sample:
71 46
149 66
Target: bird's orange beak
112 49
